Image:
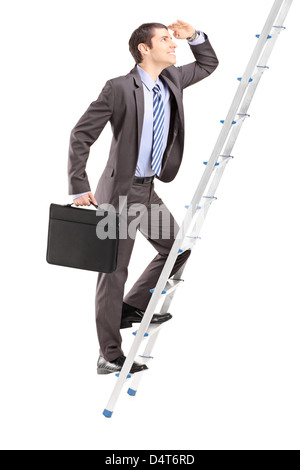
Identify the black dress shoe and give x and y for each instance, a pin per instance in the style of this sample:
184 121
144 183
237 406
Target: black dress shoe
106 367
134 315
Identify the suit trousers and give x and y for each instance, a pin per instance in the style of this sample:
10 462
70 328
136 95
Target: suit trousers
147 213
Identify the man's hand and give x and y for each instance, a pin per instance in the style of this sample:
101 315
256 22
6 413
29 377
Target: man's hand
85 200
182 30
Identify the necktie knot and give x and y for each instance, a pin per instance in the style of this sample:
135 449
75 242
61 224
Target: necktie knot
156 89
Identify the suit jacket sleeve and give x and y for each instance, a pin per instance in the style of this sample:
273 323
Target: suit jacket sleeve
84 134
206 62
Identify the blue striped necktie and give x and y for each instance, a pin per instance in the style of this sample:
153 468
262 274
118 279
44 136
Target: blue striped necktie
158 130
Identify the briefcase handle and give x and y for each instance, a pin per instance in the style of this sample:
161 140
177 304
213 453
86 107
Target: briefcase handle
70 205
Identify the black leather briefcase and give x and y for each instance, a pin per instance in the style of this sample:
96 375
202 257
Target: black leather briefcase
73 240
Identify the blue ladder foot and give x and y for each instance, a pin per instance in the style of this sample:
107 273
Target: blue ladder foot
107 413
131 392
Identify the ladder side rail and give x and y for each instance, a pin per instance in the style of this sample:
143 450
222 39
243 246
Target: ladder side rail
193 207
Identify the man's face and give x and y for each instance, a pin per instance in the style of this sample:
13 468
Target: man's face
163 48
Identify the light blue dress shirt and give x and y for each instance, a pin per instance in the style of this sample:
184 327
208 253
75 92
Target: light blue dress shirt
145 154
143 168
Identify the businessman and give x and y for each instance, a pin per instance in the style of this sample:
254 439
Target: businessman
145 110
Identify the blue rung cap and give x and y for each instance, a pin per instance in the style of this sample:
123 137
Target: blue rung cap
180 251
131 392
205 163
258 36
107 413
240 79
233 122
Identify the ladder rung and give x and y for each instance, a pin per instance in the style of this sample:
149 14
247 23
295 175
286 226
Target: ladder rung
205 163
145 335
198 207
151 330
222 122
258 36
118 374
240 79
171 285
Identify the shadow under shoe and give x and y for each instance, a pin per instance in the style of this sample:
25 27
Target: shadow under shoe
105 367
132 315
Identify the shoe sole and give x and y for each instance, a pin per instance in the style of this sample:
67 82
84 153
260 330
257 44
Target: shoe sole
129 324
126 325
106 372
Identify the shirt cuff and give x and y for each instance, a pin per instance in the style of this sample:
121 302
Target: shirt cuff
201 39
75 196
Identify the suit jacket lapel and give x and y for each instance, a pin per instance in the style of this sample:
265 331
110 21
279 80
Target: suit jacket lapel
139 98
177 94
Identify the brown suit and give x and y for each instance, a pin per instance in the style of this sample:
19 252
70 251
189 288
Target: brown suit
122 103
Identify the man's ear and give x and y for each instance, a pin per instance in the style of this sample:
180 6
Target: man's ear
143 48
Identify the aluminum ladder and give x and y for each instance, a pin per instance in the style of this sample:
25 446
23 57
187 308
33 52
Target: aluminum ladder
204 196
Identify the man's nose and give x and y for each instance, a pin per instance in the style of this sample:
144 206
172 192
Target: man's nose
174 44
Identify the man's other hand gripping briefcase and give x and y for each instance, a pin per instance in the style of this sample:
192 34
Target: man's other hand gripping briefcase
73 238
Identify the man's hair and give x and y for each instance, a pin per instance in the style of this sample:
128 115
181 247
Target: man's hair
143 34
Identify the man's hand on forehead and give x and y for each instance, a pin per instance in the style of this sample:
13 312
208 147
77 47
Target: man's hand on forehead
181 30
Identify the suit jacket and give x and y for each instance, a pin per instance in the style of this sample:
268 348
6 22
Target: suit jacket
122 103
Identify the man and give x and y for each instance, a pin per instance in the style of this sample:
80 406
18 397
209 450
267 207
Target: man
145 110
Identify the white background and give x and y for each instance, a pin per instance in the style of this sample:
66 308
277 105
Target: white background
226 368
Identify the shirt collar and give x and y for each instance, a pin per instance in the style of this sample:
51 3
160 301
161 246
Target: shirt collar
148 81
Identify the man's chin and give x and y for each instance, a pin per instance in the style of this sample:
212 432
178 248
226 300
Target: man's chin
173 60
